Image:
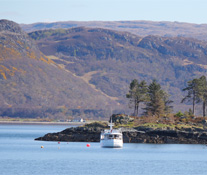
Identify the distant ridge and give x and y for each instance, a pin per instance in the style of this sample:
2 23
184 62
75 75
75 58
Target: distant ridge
141 28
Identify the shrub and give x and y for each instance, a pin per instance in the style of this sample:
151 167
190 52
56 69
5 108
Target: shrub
179 114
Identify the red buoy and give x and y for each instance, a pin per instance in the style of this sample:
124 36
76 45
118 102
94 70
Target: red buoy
58 142
88 145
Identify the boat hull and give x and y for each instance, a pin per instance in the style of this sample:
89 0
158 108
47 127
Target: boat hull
112 143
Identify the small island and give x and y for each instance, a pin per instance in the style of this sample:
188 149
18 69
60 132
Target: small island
157 124
171 130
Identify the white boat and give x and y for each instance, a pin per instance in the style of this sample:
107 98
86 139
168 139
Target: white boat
112 138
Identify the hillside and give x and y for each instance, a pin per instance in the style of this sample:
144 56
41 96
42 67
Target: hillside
141 28
109 59
32 85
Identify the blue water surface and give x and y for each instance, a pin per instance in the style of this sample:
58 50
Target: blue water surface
21 155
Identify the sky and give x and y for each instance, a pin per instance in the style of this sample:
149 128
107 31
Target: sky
32 11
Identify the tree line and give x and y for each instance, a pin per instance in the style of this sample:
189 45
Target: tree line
157 101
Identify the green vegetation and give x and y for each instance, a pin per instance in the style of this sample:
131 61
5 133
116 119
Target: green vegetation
96 124
158 112
197 93
128 125
156 99
172 121
158 125
179 114
37 35
137 94
192 95
158 103
170 126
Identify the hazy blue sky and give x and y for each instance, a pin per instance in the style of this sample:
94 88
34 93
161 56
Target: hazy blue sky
31 11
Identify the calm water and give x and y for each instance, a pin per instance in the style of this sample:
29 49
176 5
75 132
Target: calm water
21 155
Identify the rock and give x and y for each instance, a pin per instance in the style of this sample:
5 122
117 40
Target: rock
10 26
121 119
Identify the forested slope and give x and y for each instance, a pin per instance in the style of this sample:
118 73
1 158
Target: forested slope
113 58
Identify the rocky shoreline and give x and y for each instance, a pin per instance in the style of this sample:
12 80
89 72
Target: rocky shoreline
135 135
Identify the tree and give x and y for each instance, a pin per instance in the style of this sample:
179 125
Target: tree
158 99
131 95
190 112
193 93
202 92
167 102
137 94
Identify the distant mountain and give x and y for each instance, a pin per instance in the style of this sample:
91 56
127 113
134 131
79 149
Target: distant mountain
108 60
32 85
141 28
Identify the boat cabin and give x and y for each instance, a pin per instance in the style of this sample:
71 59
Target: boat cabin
111 136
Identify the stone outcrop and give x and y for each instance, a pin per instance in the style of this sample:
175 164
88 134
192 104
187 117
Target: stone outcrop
121 119
136 135
78 134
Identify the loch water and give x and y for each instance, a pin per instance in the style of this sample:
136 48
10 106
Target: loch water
21 155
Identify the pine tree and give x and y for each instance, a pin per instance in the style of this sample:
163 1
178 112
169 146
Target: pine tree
131 95
156 104
193 93
168 108
202 92
137 94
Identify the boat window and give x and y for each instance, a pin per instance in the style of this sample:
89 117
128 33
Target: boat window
111 136
106 136
117 136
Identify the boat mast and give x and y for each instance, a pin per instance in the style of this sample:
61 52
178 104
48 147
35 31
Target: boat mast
111 125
